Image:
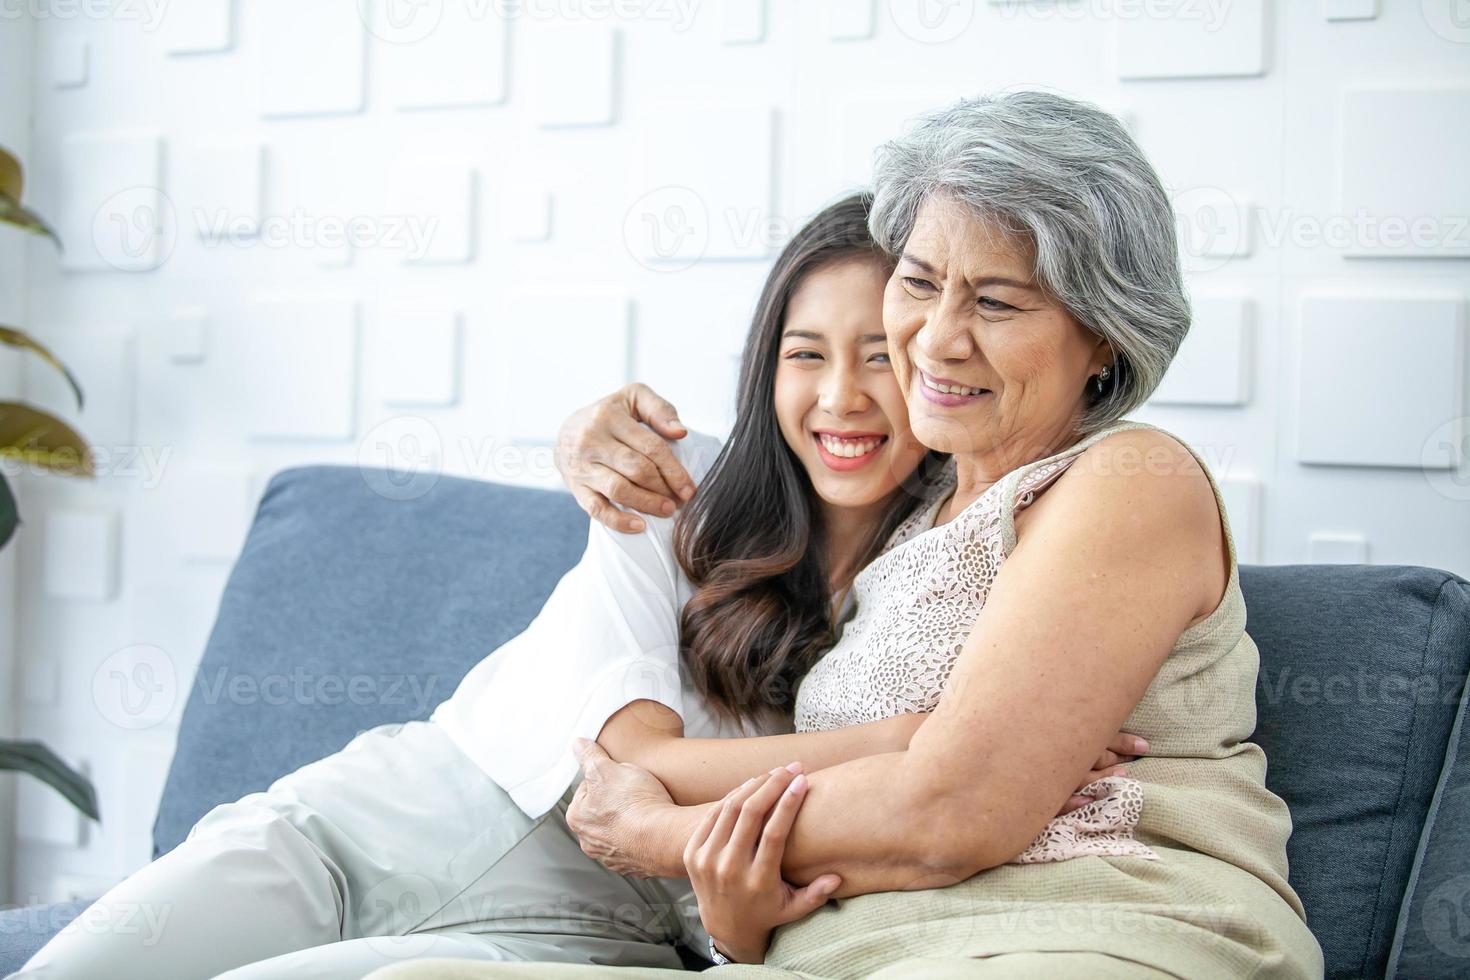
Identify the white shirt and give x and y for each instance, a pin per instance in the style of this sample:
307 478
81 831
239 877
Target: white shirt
607 636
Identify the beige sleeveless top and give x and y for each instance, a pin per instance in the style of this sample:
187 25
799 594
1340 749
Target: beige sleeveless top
1217 903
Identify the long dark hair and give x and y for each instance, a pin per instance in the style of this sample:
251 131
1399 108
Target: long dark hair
751 540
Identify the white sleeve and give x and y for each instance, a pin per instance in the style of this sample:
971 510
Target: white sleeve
607 636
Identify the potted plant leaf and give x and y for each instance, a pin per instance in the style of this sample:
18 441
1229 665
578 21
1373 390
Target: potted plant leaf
30 437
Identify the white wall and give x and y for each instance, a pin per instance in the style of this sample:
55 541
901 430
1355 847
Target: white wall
1328 368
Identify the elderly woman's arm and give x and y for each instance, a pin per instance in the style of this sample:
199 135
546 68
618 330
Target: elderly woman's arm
1112 567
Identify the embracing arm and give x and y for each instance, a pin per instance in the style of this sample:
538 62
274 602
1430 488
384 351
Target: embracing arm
700 770
1081 616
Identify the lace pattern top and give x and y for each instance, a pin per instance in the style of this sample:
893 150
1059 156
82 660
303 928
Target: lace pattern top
916 605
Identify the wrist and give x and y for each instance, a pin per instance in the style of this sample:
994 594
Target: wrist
669 827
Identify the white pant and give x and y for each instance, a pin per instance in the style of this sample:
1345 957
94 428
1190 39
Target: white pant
396 847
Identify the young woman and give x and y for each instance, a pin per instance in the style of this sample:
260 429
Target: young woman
449 837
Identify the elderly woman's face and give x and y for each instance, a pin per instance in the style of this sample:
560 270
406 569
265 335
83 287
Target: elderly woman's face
985 359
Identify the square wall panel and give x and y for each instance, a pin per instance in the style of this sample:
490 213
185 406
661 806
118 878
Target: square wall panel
435 201
1349 9
1188 39
1212 366
67 62
574 74
313 57
850 20
552 354
220 190
744 21
1378 377
80 556
1337 548
112 215
299 377
418 357
104 362
199 26
705 187
1404 185
439 55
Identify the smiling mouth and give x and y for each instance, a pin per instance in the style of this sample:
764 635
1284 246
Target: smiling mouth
949 387
846 447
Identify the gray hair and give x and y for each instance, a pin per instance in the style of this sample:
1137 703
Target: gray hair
1069 176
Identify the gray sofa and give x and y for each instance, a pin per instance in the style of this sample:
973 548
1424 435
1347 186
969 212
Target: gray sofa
351 573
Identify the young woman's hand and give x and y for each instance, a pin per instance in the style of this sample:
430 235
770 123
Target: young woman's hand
610 452
1123 748
734 862
607 813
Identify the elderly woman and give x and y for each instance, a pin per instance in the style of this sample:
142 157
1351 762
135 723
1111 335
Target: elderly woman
1075 575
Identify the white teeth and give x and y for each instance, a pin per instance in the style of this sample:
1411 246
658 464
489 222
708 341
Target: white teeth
848 448
951 389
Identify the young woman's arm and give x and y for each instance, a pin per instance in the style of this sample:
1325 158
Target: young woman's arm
699 770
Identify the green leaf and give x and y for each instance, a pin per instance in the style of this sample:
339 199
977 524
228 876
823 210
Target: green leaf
9 516
32 436
36 759
12 212
17 338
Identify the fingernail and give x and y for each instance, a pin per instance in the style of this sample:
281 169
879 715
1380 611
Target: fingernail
793 767
675 423
636 524
778 770
798 785
666 507
1142 744
686 491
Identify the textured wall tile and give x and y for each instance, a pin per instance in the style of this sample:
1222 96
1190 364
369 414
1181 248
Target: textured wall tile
454 53
199 26
112 215
1186 39
80 557
418 357
1349 9
186 336
212 512
539 388
1416 199
1212 366
743 21
104 362
526 213
439 200
44 815
305 355
704 190
313 57
850 20
1378 376
67 61
1337 548
1243 507
220 189
574 74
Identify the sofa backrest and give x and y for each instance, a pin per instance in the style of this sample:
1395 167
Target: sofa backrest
355 601
358 600
1360 692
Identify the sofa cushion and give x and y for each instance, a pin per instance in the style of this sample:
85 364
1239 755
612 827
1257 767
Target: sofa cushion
25 930
356 601
1362 673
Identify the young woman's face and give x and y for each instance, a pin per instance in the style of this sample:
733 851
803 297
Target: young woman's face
837 401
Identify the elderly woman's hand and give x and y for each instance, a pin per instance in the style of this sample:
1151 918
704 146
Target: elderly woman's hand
734 863
613 813
610 452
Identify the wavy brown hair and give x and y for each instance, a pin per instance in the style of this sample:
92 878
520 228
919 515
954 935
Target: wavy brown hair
752 539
